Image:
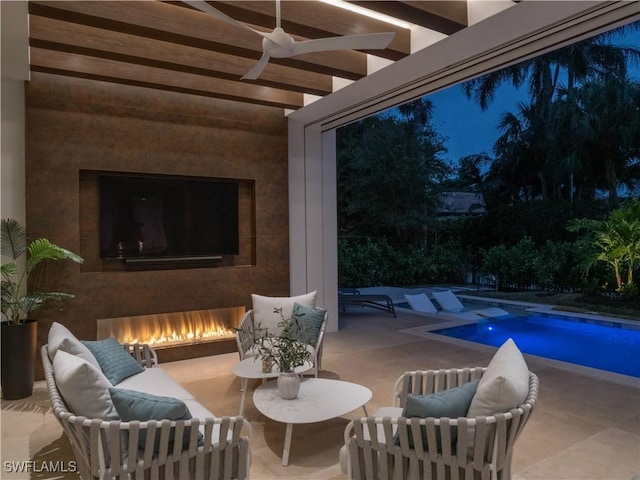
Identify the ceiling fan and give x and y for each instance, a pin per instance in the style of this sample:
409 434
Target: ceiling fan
279 44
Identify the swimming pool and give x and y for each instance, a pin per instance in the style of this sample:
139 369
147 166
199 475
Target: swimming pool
606 347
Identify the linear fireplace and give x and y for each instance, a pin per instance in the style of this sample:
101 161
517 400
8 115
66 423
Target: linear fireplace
178 335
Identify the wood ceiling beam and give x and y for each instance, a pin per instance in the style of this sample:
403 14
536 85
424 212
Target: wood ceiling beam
90 41
314 19
445 17
62 63
169 23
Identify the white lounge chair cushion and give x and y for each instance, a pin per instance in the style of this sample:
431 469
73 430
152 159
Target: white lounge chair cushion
264 315
448 301
83 387
492 312
61 339
421 303
504 385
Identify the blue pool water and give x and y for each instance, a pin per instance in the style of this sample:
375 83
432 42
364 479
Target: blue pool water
603 347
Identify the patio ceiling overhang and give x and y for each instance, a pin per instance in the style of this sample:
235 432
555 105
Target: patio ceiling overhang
173 46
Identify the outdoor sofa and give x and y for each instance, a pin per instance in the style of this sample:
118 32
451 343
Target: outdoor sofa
144 426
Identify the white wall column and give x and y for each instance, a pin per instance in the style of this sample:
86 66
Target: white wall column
312 209
15 70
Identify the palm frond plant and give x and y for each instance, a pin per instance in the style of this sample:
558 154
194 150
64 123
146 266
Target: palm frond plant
17 304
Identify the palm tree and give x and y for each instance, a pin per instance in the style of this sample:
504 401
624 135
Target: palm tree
616 242
16 304
545 131
593 57
610 121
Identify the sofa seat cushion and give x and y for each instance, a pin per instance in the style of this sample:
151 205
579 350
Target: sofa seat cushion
83 387
265 315
116 363
60 338
155 381
200 412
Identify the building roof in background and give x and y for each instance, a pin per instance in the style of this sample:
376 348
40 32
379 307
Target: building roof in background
461 203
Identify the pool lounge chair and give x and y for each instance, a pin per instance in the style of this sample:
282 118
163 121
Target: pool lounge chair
421 303
352 296
450 303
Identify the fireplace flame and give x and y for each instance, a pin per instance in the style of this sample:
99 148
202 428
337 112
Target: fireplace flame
171 329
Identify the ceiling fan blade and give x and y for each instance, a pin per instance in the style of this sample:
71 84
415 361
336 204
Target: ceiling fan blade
257 68
203 6
366 41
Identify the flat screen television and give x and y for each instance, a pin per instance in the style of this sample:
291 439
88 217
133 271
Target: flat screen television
167 217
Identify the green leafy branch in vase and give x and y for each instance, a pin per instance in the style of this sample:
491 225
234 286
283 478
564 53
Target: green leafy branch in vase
285 350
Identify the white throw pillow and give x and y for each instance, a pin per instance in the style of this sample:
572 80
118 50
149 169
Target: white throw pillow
265 316
83 387
504 385
60 338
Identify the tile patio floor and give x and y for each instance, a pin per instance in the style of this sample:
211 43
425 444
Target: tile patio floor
584 427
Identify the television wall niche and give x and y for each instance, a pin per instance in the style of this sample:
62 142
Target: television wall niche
159 222
77 127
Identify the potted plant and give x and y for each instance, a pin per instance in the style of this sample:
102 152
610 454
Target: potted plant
285 351
19 332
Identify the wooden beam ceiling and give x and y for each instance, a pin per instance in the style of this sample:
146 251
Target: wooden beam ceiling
172 46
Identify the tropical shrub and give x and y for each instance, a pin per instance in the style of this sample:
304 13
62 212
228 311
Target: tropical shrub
614 242
370 262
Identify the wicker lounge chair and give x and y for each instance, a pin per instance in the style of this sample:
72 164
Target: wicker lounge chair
378 447
245 338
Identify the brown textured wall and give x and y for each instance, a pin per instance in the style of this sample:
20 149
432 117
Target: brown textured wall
75 124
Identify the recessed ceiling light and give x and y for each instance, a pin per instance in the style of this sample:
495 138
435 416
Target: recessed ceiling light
369 13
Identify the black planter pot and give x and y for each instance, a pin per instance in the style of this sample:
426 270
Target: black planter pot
18 359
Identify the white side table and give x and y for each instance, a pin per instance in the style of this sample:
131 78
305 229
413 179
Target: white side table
252 368
319 399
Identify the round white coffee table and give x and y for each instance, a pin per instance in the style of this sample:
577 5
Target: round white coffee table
319 399
252 368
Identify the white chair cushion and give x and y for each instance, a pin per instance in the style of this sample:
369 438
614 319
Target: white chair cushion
60 338
264 315
504 385
83 387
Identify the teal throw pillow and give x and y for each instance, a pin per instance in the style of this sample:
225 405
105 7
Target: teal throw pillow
115 362
132 405
306 323
451 403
